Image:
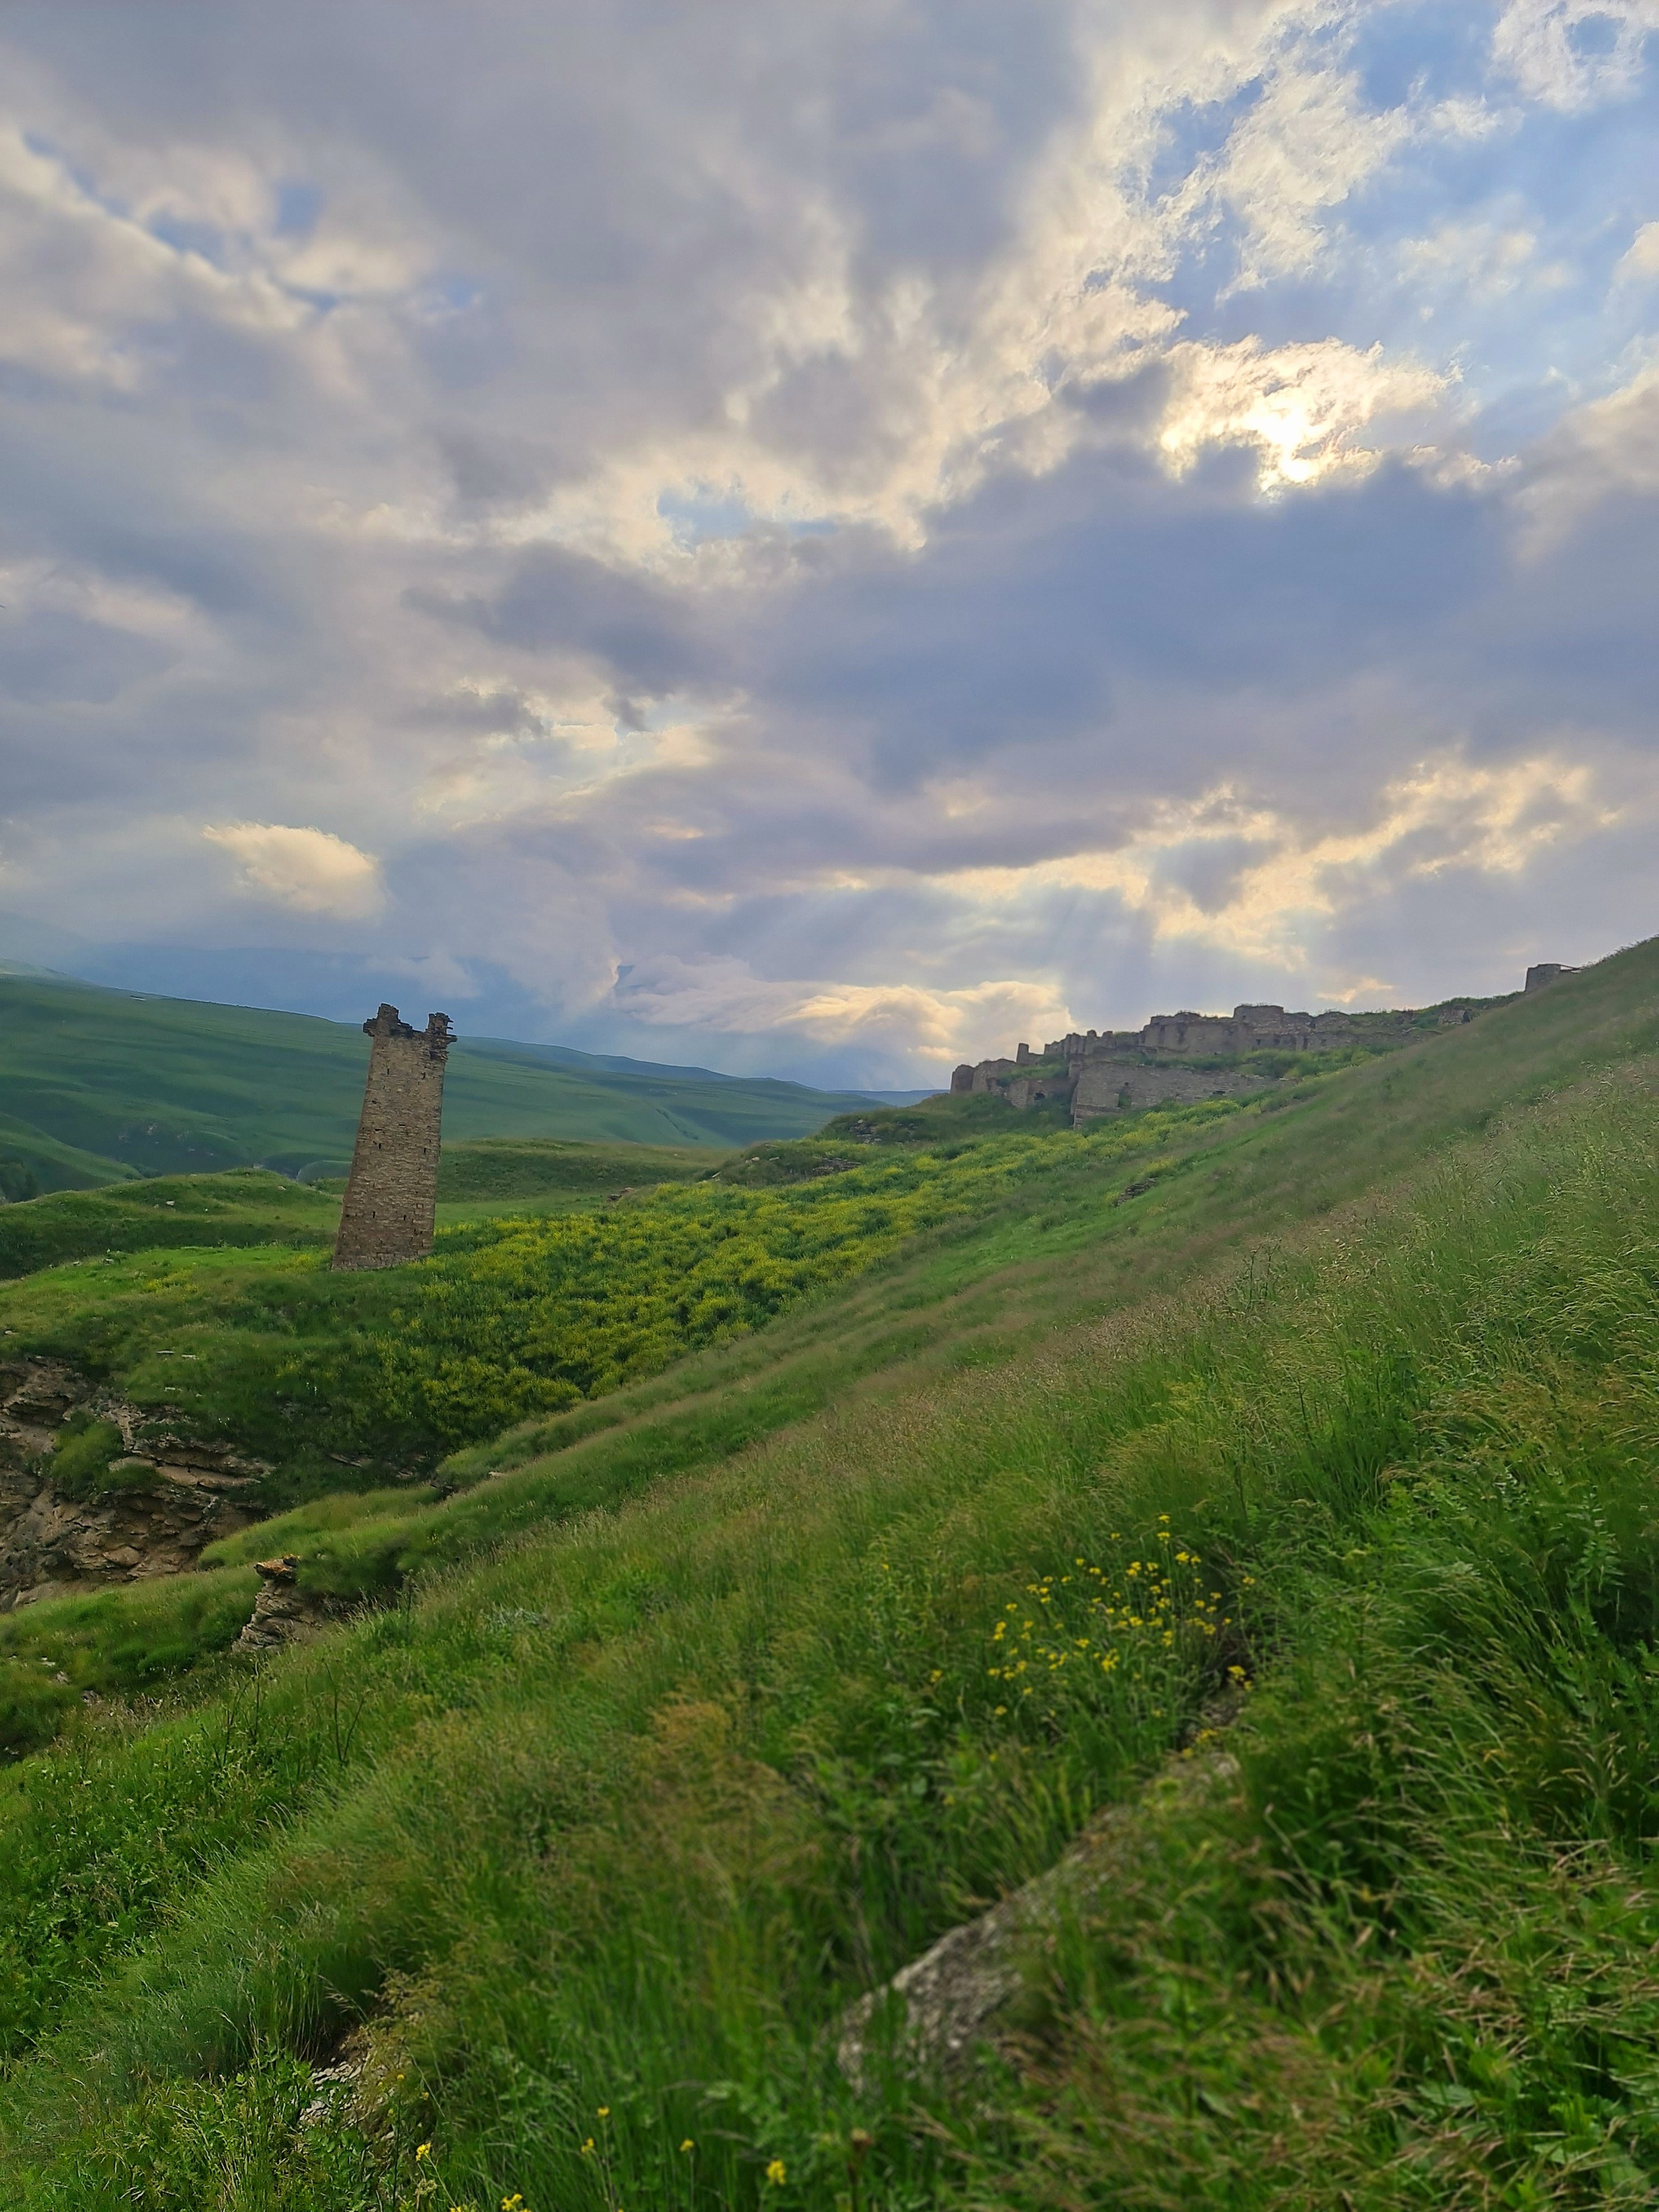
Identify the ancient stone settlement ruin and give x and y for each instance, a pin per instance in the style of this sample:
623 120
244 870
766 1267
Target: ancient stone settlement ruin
387 1214
1190 1056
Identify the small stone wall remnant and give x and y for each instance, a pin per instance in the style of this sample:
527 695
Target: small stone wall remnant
387 1215
1546 971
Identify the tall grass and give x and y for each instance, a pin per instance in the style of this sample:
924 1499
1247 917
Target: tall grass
588 1844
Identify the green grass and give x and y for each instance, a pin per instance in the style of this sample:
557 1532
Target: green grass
248 1206
590 1836
506 1168
517 1314
112 1643
99 1083
482 1181
50 1165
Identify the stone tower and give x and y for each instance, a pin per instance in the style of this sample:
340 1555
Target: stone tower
387 1218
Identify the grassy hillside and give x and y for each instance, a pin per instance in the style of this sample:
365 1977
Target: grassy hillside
516 1313
97 1084
515 1168
244 1207
807 1647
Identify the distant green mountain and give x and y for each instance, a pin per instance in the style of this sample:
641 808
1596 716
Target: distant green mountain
97 1085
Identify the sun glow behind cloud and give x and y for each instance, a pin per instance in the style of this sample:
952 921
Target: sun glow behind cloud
1140 500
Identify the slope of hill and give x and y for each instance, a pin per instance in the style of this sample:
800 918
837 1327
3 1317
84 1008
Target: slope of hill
810 1647
239 1206
97 1084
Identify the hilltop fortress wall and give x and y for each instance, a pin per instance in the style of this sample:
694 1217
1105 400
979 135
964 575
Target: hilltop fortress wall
387 1214
1178 1056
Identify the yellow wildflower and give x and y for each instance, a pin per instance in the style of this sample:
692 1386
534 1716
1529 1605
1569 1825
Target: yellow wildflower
422 2150
777 2172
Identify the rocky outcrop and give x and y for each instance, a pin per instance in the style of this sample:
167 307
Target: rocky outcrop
937 2010
284 1614
150 1511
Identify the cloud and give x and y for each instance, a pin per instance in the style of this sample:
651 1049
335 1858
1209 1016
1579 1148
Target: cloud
1574 54
892 528
1302 407
1484 257
1276 879
1639 263
312 870
936 1028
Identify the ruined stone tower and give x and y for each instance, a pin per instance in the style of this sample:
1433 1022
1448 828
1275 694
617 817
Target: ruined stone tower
387 1218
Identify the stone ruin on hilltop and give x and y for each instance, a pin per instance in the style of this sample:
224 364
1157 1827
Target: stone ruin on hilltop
1185 1055
387 1214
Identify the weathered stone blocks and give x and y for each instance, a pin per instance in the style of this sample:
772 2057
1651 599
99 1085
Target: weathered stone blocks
387 1215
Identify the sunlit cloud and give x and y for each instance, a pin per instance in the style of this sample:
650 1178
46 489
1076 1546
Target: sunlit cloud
312 870
887 531
1444 816
938 1028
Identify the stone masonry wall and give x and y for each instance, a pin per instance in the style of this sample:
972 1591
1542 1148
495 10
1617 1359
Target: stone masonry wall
387 1215
1107 1086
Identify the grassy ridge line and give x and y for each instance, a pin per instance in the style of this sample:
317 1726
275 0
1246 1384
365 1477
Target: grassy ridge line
247 1206
56 1165
738 1750
244 1207
254 1206
170 1086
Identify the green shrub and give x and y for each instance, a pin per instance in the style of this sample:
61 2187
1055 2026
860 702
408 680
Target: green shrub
32 1704
80 1462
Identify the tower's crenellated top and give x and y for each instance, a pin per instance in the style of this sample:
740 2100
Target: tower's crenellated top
438 1033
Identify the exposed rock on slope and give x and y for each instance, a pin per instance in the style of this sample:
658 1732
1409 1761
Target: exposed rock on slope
284 1613
949 1998
149 1511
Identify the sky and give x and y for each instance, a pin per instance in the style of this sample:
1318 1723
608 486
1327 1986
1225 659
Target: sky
827 540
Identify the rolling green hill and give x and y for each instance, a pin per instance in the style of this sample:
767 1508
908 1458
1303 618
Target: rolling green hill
1268 1511
98 1085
